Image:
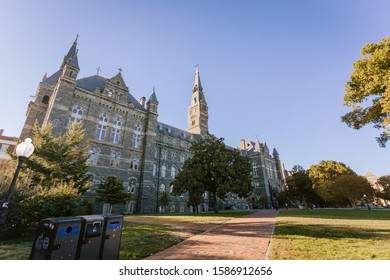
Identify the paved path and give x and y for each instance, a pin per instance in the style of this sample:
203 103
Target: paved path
244 238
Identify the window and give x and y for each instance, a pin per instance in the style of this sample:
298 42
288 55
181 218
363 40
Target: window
131 187
163 171
182 158
102 127
173 172
164 154
173 156
137 136
154 169
162 188
77 113
45 99
93 156
115 159
254 167
134 163
115 132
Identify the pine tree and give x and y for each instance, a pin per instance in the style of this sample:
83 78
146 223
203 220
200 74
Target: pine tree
60 159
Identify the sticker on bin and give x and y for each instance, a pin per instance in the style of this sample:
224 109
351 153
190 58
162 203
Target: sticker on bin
68 231
114 225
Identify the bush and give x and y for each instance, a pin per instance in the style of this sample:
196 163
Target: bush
30 205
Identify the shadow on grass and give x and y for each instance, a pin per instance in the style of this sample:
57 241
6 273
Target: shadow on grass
351 214
330 232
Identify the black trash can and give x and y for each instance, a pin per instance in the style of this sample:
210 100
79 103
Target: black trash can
57 239
91 237
112 234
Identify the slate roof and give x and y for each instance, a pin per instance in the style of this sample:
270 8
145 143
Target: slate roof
53 79
176 132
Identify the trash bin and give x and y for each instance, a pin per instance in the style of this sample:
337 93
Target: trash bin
112 234
57 239
91 237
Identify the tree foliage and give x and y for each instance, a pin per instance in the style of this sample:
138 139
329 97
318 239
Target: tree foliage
300 187
111 191
30 205
352 188
215 169
384 182
368 90
323 176
58 160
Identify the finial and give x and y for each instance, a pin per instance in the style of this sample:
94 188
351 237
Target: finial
120 70
77 36
98 70
197 68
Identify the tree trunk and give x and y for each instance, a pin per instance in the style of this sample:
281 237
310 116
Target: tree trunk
215 202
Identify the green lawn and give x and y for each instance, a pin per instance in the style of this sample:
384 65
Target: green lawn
138 240
331 235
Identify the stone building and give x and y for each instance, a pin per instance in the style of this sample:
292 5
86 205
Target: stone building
126 139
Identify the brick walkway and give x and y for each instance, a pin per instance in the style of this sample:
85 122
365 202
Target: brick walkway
244 238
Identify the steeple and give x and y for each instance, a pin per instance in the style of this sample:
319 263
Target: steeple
71 57
198 111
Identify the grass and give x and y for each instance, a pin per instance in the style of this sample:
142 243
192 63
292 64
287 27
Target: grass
331 235
138 240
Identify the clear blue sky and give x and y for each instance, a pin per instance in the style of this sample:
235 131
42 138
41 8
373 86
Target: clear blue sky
270 69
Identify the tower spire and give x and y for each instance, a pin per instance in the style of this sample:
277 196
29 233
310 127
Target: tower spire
71 57
198 110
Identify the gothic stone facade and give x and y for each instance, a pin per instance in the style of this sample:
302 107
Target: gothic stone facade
126 139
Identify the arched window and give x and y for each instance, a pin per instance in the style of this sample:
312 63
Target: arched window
173 172
131 187
75 116
115 159
102 127
115 132
45 99
154 169
163 171
162 188
134 163
93 156
137 136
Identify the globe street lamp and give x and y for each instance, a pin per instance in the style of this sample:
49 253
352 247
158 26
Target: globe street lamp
23 151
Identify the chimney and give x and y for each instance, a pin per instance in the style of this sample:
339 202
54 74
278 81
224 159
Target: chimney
242 144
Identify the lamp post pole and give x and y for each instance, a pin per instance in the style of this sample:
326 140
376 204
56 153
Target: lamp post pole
23 151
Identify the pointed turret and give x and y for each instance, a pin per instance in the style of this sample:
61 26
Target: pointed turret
275 153
152 103
257 146
71 57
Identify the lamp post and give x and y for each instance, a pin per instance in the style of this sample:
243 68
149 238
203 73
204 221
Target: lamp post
23 151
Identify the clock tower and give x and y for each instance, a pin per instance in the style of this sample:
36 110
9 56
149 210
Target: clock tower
198 112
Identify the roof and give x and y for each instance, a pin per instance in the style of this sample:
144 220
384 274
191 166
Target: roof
91 83
176 132
53 79
96 81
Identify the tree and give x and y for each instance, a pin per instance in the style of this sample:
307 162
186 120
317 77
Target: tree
368 90
352 188
323 176
299 184
215 169
163 200
111 191
58 160
384 182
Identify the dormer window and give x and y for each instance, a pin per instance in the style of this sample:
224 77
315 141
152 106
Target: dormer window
118 83
110 93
